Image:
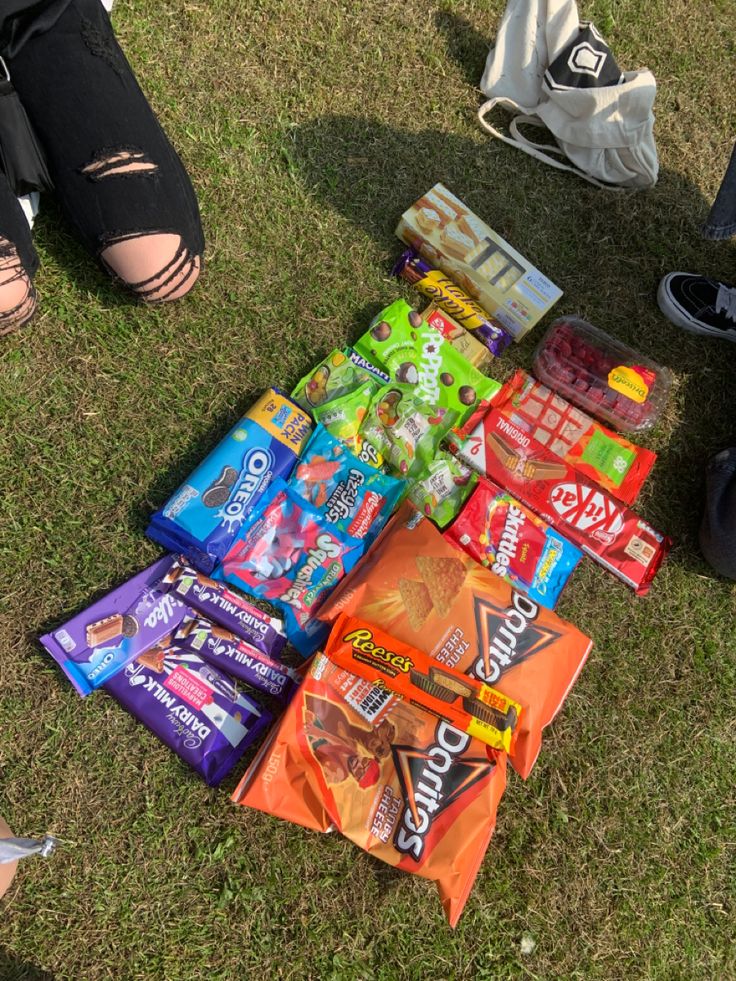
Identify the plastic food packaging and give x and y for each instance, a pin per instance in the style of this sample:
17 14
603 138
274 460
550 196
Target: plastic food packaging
602 375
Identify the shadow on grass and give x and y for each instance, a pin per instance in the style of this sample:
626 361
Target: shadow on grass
15 969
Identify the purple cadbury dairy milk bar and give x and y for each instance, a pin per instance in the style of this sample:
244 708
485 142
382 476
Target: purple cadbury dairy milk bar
193 708
219 603
95 644
238 658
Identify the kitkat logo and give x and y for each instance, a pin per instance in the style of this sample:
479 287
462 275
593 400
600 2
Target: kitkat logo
587 509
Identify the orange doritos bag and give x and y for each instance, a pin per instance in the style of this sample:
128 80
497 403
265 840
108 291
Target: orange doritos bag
405 786
422 590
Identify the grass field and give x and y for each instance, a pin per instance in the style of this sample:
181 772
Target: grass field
308 127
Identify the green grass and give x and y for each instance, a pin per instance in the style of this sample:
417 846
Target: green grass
308 127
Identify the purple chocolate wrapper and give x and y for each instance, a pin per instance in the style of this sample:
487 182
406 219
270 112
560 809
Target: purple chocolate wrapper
223 605
193 708
125 623
413 268
238 658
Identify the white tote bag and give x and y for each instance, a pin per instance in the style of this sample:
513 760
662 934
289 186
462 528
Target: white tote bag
552 72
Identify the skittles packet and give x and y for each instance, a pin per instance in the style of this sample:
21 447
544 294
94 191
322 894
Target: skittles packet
204 515
351 494
424 591
408 788
443 488
100 641
499 532
193 708
340 373
292 557
404 430
414 353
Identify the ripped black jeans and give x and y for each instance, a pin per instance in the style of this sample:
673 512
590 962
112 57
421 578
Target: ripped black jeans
117 178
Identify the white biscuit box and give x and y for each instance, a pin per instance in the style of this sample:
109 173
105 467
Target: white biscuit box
447 234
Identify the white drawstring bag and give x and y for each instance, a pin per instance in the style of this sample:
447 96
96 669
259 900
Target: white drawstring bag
554 73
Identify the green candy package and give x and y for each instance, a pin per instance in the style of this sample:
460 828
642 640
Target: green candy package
342 418
404 430
414 353
339 374
443 488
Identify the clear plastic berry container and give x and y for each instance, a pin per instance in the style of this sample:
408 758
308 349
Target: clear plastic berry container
602 375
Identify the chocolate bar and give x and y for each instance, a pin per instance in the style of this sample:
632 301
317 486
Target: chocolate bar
582 511
103 630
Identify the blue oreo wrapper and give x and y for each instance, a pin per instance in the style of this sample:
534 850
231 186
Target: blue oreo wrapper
193 708
203 517
100 641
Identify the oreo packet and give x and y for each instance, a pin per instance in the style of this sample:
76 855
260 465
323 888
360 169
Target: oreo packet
350 493
203 516
216 602
404 430
401 342
341 372
443 488
238 658
293 557
95 644
193 708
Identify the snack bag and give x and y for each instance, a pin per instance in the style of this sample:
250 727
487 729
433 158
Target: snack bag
352 495
237 658
100 641
340 373
403 430
203 517
603 528
406 787
414 353
292 557
443 488
425 592
464 341
408 673
193 708
229 609
343 417
510 540
609 459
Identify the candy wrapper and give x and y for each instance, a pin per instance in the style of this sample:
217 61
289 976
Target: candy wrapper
351 494
192 707
424 591
464 341
453 300
414 353
292 557
466 703
578 508
238 658
499 532
344 416
406 787
231 610
610 460
443 488
403 431
204 515
95 644
339 374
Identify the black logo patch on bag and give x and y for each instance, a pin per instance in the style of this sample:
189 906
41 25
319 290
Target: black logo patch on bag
585 63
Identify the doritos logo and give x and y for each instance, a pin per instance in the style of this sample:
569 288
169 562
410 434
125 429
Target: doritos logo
431 780
507 637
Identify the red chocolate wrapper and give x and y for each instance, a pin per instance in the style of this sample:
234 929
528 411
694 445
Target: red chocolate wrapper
606 530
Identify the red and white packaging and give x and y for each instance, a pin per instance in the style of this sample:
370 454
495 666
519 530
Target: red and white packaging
603 528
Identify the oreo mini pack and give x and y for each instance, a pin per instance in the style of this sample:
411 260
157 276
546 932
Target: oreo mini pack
203 517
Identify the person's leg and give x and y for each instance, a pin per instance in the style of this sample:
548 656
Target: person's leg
718 530
18 263
116 175
721 223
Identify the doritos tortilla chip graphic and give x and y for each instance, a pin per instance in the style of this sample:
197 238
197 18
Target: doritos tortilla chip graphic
403 785
467 618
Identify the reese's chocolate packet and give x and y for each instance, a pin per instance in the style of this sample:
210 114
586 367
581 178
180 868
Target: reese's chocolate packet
424 591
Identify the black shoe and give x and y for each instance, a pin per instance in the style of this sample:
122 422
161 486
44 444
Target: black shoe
699 304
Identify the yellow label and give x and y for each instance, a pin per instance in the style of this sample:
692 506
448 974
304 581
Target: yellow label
489 734
627 381
281 419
